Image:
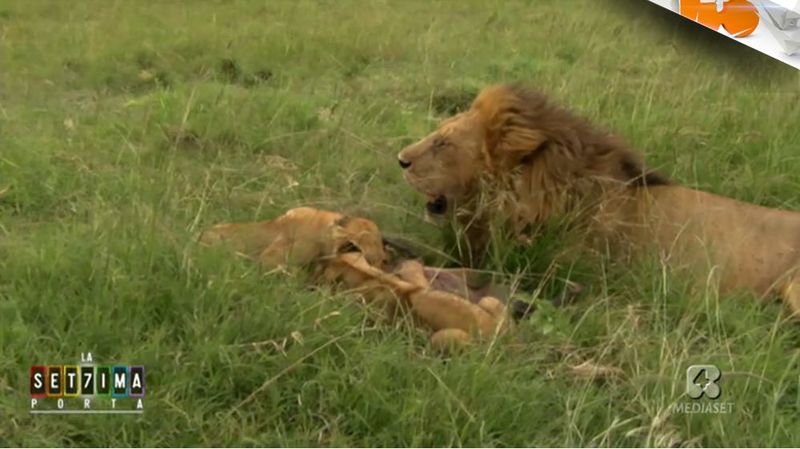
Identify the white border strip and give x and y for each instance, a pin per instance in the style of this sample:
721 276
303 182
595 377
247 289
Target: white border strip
766 35
87 412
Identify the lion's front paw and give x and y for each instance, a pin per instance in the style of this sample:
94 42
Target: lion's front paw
216 234
449 340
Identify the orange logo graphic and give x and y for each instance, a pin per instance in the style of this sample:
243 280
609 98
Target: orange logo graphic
738 17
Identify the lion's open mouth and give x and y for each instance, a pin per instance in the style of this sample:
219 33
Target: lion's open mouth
437 205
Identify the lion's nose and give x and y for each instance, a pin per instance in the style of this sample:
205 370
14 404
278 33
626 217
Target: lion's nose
403 164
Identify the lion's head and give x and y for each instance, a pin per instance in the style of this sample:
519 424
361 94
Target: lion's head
355 234
446 164
516 149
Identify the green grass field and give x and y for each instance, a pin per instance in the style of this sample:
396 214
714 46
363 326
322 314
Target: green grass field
127 127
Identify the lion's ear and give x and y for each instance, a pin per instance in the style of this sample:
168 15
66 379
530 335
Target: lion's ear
511 146
511 134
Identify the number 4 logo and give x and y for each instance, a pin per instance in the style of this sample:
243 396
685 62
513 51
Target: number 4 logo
738 17
702 379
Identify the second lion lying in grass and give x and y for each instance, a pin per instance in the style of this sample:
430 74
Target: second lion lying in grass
350 252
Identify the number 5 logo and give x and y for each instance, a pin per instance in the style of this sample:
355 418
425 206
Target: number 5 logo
738 17
702 379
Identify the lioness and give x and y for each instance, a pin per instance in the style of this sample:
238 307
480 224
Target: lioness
514 154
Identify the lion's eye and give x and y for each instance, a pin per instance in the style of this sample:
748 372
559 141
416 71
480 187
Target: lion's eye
439 143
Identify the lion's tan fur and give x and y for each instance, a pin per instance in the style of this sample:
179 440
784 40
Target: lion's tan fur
529 161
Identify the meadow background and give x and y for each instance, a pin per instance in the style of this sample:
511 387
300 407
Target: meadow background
127 127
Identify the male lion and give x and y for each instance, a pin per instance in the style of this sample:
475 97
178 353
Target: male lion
515 155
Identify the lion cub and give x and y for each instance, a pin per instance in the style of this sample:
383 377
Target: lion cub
350 252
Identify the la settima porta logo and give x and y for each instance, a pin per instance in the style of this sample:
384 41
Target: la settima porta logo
87 388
